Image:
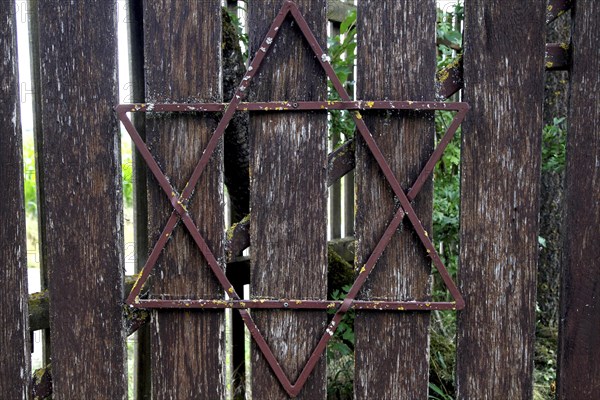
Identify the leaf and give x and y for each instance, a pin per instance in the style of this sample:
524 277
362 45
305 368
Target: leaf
348 22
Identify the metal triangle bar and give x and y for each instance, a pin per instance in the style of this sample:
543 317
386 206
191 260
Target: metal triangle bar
179 201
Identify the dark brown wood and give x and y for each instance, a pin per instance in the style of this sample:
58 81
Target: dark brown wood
80 174
289 204
557 56
182 56
396 60
500 164
15 361
579 342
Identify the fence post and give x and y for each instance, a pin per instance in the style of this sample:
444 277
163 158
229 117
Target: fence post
182 55
396 60
82 220
288 197
579 341
15 368
500 174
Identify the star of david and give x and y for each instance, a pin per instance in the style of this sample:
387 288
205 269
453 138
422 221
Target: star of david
405 209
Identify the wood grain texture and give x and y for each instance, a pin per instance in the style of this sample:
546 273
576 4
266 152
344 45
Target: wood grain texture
579 342
80 175
289 198
182 56
15 364
500 174
396 61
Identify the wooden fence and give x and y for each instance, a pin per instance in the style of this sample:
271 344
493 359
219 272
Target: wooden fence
175 58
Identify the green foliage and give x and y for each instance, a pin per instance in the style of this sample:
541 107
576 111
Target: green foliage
127 172
554 145
340 354
242 36
342 53
29 184
448 37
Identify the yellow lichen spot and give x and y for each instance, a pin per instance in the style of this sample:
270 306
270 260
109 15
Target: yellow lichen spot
230 290
427 304
330 305
426 234
550 7
549 64
187 304
428 251
370 104
322 107
363 269
401 308
262 300
357 114
167 234
298 301
564 46
242 304
245 109
443 75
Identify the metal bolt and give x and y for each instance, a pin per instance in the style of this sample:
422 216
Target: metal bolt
285 305
295 105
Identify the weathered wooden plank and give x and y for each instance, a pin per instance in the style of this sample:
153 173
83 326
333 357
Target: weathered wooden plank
15 364
579 342
500 164
289 198
182 55
396 60
80 174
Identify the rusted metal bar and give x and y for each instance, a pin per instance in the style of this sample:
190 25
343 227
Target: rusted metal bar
274 106
179 201
450 79
557 56
298 304
340 162
556 8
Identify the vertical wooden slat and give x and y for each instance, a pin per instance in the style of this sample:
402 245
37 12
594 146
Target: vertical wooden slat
396 60
182 57
82 223
15 368
504 86
579 341
288 198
